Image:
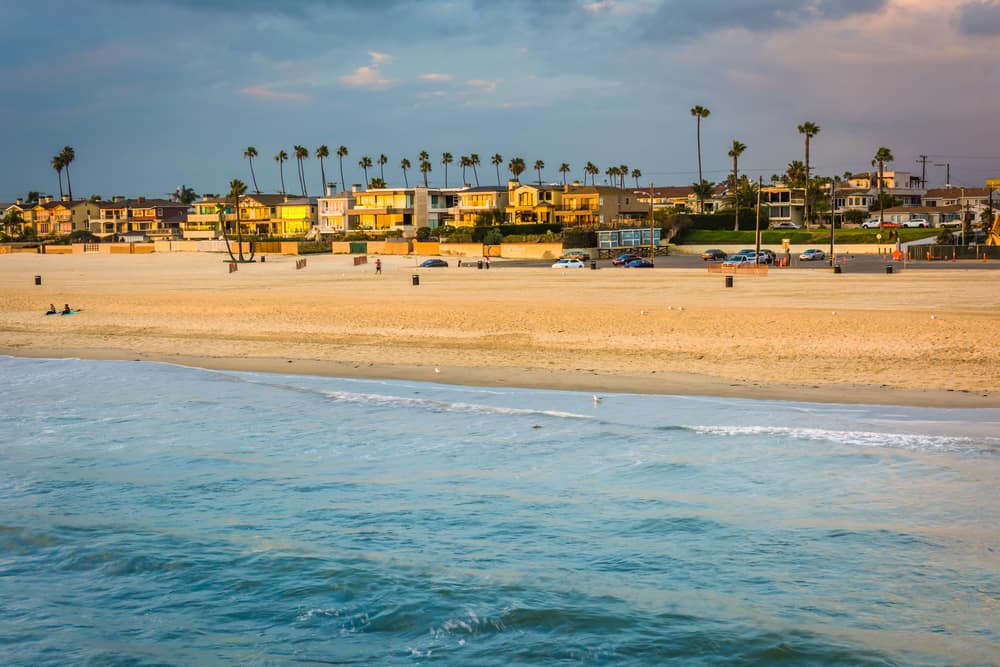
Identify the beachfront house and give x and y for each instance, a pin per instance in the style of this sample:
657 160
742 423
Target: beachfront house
271 215
148 218
586 206
471 203
380 210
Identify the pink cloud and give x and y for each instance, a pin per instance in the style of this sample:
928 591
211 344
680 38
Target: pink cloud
270 95
435 76
365 77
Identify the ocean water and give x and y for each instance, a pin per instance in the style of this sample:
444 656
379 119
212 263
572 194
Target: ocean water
159 515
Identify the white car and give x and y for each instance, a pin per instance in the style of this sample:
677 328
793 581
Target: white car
568 264
812 254
738 260
785 224
870 224
916 222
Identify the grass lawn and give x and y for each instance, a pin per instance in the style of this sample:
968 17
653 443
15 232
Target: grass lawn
796 236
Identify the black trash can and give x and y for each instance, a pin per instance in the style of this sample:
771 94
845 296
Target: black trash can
593 266
729 281
263 258
836 268
888 269
416 279
38 280
479 264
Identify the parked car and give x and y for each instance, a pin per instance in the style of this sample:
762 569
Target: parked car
577 254
713 254
738 260
766 256
568 264
746 251
639 264
870 224
916 222
431 263
812 254
785 224
621 260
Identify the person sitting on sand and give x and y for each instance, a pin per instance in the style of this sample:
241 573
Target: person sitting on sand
66 310
52 309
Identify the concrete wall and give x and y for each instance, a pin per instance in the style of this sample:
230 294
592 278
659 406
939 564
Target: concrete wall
795 248
426 248
461 249
175 246
531 250
278 247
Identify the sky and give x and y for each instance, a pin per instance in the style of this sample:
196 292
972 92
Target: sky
153 94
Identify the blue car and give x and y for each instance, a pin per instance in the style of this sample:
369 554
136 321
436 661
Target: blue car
639 264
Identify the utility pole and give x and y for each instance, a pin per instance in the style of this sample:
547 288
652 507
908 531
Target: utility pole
923 171
947 172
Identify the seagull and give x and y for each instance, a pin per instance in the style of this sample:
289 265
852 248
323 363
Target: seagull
933 317
597 399
437 370
643 312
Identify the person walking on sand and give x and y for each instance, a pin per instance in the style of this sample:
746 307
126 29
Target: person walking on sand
378 266
486 261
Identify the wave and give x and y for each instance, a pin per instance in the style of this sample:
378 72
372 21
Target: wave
909 441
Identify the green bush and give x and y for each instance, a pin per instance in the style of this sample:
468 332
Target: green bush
423 233
493 237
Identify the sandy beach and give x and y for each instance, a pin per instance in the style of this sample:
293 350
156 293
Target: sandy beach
913 338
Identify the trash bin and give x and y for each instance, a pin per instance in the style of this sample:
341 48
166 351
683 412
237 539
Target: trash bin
263 258
593 266
38 280
479 264
888 269
729 281
416 279
836 268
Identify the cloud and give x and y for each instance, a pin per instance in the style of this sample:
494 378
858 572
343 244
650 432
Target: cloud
979 19
480 86
365 77
686 19
380 58
265 92
435 76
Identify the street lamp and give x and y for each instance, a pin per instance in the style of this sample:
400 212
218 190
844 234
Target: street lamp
652 245
947 172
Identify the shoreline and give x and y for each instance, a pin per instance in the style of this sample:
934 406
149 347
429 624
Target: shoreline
920 338
655 383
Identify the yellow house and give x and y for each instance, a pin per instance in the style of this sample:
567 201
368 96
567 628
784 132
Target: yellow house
57 218
600 205
528 204
403 209
473 202
264 215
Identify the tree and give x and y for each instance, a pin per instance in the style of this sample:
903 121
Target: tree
68 155
404 164
564 169
446 159
12 220
516 167
497 160
425 168
281 158
539 165
236 190
474 163
382 161
735 152
365 163
810 130
700 112
57 164
301 155
636 174
377 182
463 162
622 175
592 170
341 154
249 154
185 195
795 174
702 190
322 153
882 155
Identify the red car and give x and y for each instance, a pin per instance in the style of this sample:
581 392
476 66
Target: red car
622 260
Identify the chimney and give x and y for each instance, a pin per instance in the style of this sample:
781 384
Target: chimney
19 201
576 184
115 199
565 188
204 197
141 200
354 188
285 199
329 189
64 198
44 199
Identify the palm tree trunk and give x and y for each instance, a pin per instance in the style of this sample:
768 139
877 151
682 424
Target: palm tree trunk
736 191
476 175
343 183
253 177
805 207
281 169
69 186
405 179
59 174
701 200
498 175
322 175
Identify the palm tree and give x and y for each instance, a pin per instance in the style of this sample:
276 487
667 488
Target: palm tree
302 154
281 158
497 160
539 165
68 155
882 156
591 169
341 154
57 164
404 164
378 182
185 195
516 167
249 154
366 163
382 161
425 168
703 190
564 169
463 162
810 130
795 174
446 159
474 162
735 152
322 153
622 174
700 112
236 190
636 174
611 173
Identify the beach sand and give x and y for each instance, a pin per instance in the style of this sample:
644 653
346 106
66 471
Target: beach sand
914 338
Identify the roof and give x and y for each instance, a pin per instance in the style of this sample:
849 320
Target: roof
667 191
145 203
921 209
483 188
956 192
